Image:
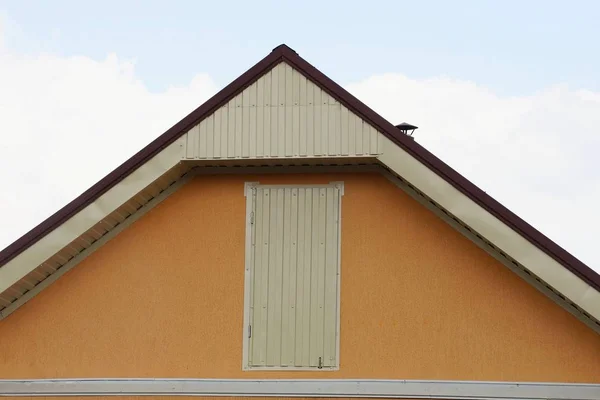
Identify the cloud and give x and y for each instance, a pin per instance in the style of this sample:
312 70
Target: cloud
536 154
65 122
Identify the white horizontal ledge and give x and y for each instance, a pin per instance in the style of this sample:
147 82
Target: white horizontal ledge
301 388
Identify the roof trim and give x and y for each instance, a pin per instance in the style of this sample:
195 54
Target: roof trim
332 388
284 53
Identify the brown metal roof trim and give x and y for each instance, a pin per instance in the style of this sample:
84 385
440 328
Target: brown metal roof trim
284 53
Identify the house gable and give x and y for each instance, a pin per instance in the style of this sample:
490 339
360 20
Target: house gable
419 300
72 234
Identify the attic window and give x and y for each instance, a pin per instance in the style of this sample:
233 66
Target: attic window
291 313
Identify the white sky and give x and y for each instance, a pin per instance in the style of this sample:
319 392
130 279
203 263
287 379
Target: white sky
66 121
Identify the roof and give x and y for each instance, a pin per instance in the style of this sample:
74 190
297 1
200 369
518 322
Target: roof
285 54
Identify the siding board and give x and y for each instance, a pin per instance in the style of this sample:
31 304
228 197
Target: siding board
344 131
302 117
318 111
252 116
305 326
231 150
330 279
282 115
264 282
288 106
285 280
274 111
293 260
243 125
325 133
202 140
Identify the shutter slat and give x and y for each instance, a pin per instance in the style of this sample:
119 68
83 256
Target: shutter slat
305 299
264 294
286 333
330 307
275 274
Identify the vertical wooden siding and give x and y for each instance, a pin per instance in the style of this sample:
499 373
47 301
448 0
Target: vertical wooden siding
294 279
282 115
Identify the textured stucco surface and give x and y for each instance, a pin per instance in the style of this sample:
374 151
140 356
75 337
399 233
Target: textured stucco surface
419 301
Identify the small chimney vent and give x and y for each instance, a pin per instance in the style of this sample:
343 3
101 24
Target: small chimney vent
407 129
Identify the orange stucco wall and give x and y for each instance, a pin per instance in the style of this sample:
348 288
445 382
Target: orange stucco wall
418 300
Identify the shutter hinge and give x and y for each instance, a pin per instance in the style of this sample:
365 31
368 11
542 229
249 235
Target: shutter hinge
252 218
249 331
320 363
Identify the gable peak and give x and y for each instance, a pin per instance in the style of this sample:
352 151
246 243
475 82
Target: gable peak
283 48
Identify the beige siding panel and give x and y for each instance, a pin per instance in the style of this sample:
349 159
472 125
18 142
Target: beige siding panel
262 290
289 348
331 279
310 119
210 126
264 128
318 277
344 131
293 306
318 110
230 150
244 126
217 128
202 140
302 116
275 271
282 115
365 137
295 115
281 106
238 125
274 105
285 279
250 112
325 133
304 261
225 130
289 109
191 147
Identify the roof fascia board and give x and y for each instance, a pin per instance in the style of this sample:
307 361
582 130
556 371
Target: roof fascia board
96 245
493 251
490 227
67 231
350 388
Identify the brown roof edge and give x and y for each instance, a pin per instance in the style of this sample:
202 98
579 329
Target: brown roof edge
285 53
122 171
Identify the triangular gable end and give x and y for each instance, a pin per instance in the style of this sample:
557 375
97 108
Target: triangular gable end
284 108
281 115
